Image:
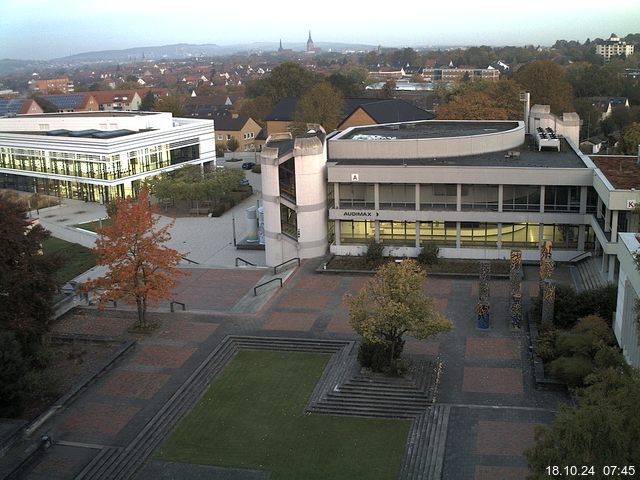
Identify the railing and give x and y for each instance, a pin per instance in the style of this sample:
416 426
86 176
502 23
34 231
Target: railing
296 259
579 257
255 289
171 306
245 261
190 261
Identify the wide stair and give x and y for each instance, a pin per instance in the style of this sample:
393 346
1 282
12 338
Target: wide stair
586 274
376 395
424 455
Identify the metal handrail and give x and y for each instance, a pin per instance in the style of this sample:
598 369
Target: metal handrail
190 261
255 289
297 259
245 261
577 257
174 302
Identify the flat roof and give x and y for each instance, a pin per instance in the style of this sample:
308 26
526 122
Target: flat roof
527 156
102 113
428 129
622 171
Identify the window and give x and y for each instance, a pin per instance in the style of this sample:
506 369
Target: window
564 237
287 175
359 232
398 233
480 197
398 196
359 195
220 137
520 198
479 234
561 199
228 137
520 235
438 197
439 233
288 222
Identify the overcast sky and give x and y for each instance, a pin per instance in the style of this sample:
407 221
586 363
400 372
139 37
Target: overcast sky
45 29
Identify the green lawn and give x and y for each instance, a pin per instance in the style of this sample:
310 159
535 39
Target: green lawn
76 258
93 226
253 417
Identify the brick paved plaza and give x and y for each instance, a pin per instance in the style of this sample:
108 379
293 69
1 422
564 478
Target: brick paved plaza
486 377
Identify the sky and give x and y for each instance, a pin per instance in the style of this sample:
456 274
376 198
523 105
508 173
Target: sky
46 29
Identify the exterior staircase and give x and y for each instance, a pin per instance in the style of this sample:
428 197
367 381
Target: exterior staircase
586 274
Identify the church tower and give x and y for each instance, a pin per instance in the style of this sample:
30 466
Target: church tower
310 47
280 48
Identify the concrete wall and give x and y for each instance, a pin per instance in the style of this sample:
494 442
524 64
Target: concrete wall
80 121
625 326
567 126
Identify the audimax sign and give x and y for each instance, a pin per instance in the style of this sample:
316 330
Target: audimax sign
359 214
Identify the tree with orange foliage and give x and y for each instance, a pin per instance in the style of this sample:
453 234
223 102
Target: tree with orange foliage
482 100
141 267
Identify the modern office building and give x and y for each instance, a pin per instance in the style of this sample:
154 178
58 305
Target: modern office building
613 47
476 189
98 155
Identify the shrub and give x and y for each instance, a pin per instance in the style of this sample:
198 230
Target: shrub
600 301
571 370
428 254
374 252
564 312
611 357
256 168
569 343
546 344
377 357
595 326
13 369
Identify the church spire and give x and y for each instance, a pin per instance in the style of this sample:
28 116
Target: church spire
280 48
310 47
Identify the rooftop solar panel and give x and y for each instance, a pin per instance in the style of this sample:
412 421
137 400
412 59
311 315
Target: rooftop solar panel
113 133
84 133
58 133
10 106
65 101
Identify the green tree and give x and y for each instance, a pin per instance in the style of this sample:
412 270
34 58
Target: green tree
322 104
630 141
349 80
256 108
601 430
173 103
148 103
233 144
13 370
27 284
482 100
289 79
548 84
388 89
391 305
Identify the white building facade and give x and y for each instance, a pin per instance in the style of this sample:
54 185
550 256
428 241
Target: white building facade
97 156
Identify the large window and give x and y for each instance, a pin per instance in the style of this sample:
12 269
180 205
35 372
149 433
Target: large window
287 176
398 196
184 154
288 221
479 234
592 200
520 198
520 235
561 199
439 233
357 195
438 196
480 197
398 233
360 232
564 237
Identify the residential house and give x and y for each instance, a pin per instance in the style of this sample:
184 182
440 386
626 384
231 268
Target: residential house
607 104
51 85
75 102
244 129
19 107
121 100
613 47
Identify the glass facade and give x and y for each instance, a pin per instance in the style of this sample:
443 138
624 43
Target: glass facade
358 232
561 199
287 176
520 198
525 235
440 233
398 233
438 196
479 234
357 195
288 221
398 196
480 197
564 237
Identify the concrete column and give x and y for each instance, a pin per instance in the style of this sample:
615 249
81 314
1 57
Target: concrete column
542 194
336 231
377 226
582 236
500 200
612 268
607 220
417 234
605 262
417 197
500 228
599 208
376 200
458 241
336 195
459 198
540 235
583 200
614 225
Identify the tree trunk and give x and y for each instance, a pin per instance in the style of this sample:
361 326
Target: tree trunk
141 312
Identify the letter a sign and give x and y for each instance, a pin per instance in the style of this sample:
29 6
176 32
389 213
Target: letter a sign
355 177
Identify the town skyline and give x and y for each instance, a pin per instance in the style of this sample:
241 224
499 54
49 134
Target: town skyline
57 30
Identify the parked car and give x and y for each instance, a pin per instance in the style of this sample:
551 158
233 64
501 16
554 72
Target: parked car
248 165
244 182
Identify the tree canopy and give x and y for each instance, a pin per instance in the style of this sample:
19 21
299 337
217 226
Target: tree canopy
482 100
547 81
141 268
322 104
393 304
173 103
630 141
148 102
27 284
289 79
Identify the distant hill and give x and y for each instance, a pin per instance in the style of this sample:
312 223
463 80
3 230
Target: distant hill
187 50
10 65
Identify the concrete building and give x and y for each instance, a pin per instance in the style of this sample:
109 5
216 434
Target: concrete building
244 129
456 74
625 325
97 155
52 85
613 47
